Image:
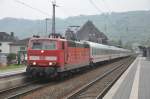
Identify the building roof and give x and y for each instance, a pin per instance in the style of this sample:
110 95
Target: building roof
88 32
22 42
89 28
5 37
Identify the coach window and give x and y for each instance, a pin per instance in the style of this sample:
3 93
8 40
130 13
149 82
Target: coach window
77 45
0 50
71 44
0 44
86 46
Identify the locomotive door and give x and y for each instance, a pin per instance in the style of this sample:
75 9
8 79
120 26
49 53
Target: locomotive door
64 47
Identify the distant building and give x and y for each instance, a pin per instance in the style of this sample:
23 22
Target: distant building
87 32
5 40
70 33
19 45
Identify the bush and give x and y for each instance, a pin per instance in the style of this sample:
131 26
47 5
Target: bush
11 57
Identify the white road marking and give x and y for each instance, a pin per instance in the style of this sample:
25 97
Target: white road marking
135 86
116 86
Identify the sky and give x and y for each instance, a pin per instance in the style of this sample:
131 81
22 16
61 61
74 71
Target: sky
41 9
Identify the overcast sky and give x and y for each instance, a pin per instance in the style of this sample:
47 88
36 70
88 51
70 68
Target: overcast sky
12 8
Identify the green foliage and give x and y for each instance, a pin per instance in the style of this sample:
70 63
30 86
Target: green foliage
11 57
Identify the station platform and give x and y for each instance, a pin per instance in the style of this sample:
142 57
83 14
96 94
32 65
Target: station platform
12 71
134 83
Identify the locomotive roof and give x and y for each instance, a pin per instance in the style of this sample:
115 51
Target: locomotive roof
47 38
92 44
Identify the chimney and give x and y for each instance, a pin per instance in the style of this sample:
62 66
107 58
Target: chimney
12 34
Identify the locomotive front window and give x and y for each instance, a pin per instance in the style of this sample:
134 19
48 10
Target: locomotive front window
36 45
49 45
44 45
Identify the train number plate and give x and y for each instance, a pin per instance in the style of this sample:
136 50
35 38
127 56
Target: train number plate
42 57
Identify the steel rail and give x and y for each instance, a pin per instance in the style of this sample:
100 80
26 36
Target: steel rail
85 87
23 89
106 89
16 87
22 93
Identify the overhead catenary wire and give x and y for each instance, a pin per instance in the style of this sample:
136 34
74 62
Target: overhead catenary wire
36 9
95 6
106 4
107 16
29 6
108 7
114 26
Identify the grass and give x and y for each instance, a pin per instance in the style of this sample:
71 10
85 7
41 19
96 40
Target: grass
11 67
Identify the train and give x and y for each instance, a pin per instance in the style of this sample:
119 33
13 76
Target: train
50 57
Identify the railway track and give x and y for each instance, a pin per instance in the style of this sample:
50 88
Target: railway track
10 81
58 90
94 90
22 89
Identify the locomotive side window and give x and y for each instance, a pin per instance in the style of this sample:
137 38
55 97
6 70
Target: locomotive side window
71 44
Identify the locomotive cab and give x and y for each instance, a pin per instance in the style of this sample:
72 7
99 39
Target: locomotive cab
45 56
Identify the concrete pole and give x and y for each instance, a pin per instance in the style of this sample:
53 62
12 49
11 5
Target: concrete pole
53 18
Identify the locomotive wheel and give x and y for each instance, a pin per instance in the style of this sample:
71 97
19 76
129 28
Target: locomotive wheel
70 74
60 77
34 73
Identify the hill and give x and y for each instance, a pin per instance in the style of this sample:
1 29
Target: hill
128 26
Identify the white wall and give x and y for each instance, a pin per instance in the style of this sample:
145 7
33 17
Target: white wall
14 49
5 47
3 59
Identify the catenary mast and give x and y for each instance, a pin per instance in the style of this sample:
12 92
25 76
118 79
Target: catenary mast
53 17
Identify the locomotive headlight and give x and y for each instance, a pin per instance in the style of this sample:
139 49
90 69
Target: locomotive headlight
50 63
34 63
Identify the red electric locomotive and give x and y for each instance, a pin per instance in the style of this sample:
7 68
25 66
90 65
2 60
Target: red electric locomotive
50 56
